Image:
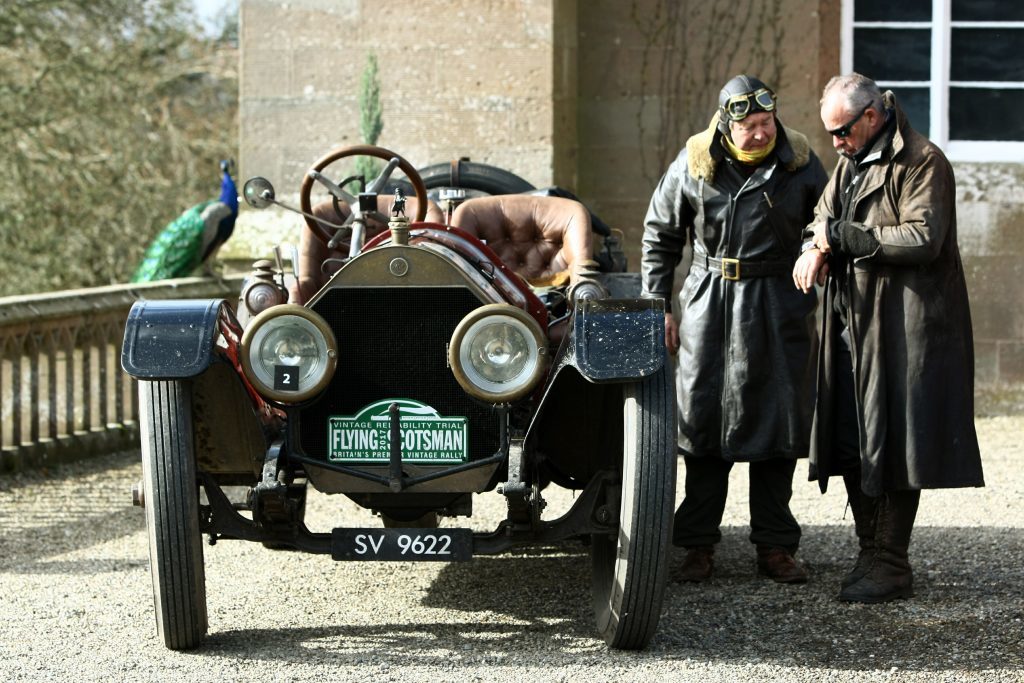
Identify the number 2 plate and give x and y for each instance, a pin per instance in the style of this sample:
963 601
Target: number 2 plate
402 545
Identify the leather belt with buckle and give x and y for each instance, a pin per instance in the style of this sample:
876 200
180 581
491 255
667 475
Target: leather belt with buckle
734 269
730 268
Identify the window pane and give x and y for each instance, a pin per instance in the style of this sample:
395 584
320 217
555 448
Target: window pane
893 54
980 54
988 10
887 10
916 104
986 114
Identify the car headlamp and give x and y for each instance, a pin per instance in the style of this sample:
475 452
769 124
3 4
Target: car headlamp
289 353
498 353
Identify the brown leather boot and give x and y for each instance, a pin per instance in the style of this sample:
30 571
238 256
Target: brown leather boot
697 564
779 565
889 577
864 509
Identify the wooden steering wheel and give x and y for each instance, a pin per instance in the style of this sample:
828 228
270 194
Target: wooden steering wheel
323 162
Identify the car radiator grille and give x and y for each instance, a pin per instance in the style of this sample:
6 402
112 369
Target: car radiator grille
392 343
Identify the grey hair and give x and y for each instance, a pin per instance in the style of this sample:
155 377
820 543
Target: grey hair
859 92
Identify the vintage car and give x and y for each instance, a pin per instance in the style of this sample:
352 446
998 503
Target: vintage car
423 370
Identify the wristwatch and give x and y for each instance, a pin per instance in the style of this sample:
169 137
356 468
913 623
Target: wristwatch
807 246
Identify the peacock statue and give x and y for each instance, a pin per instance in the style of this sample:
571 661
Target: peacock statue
193 238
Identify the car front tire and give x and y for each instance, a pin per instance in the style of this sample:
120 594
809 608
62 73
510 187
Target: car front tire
631 569
172 512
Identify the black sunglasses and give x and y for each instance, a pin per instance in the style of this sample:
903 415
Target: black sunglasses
844 130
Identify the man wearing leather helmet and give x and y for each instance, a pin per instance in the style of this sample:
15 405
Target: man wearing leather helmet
895 409
740 193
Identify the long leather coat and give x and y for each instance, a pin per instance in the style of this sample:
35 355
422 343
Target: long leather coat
745 364
909 320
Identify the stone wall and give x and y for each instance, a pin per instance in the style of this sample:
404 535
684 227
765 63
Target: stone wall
990 217
478 78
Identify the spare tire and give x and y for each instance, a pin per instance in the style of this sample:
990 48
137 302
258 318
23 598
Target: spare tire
477 179
471 175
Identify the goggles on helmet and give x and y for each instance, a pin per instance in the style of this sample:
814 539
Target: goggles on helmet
738 107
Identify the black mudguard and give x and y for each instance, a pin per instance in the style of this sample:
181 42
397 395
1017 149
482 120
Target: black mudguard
577 428
170 339
614 340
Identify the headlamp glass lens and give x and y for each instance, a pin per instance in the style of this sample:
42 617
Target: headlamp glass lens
499 351
290 341
289 353
288 345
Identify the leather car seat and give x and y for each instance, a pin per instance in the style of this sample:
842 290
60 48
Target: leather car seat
546 240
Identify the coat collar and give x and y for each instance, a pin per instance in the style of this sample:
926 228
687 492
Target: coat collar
890 146
704 150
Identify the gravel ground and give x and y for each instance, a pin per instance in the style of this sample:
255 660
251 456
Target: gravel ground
76 600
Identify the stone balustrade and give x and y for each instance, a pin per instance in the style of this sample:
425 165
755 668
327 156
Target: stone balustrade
63 394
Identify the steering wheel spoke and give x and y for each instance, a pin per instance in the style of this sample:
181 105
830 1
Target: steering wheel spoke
377 184
334 189
315 174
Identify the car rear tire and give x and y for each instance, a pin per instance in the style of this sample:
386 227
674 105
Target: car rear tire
172 512
630 570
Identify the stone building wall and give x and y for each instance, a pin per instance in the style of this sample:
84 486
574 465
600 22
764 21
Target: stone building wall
990 217
478 78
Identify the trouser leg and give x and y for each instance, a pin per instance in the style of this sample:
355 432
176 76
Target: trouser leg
699 516
889 577
771 521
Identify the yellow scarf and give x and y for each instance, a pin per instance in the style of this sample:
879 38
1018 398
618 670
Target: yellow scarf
753 158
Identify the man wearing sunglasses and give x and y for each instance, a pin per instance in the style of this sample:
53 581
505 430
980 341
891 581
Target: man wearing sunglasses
739 194
895 399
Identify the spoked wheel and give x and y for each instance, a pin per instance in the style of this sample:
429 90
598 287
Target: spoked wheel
630 571
172 512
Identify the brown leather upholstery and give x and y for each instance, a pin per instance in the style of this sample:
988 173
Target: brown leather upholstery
543 239
313 272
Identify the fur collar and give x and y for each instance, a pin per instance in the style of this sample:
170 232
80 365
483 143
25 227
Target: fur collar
704 151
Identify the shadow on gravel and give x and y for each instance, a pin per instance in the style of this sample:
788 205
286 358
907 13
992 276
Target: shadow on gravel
968 614
75 507
548 596
531 587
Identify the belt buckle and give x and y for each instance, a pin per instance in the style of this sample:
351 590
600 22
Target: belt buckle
734 264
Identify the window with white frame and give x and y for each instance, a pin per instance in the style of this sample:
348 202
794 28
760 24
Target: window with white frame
956 67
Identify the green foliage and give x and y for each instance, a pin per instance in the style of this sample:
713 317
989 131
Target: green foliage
226 22
371 116
114 115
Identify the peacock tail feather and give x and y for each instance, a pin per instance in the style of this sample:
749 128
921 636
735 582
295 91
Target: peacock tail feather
177 250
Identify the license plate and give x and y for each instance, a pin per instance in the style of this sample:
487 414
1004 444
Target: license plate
403 545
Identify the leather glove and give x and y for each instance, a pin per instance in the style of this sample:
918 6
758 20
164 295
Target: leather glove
850 238
833 232
856 241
